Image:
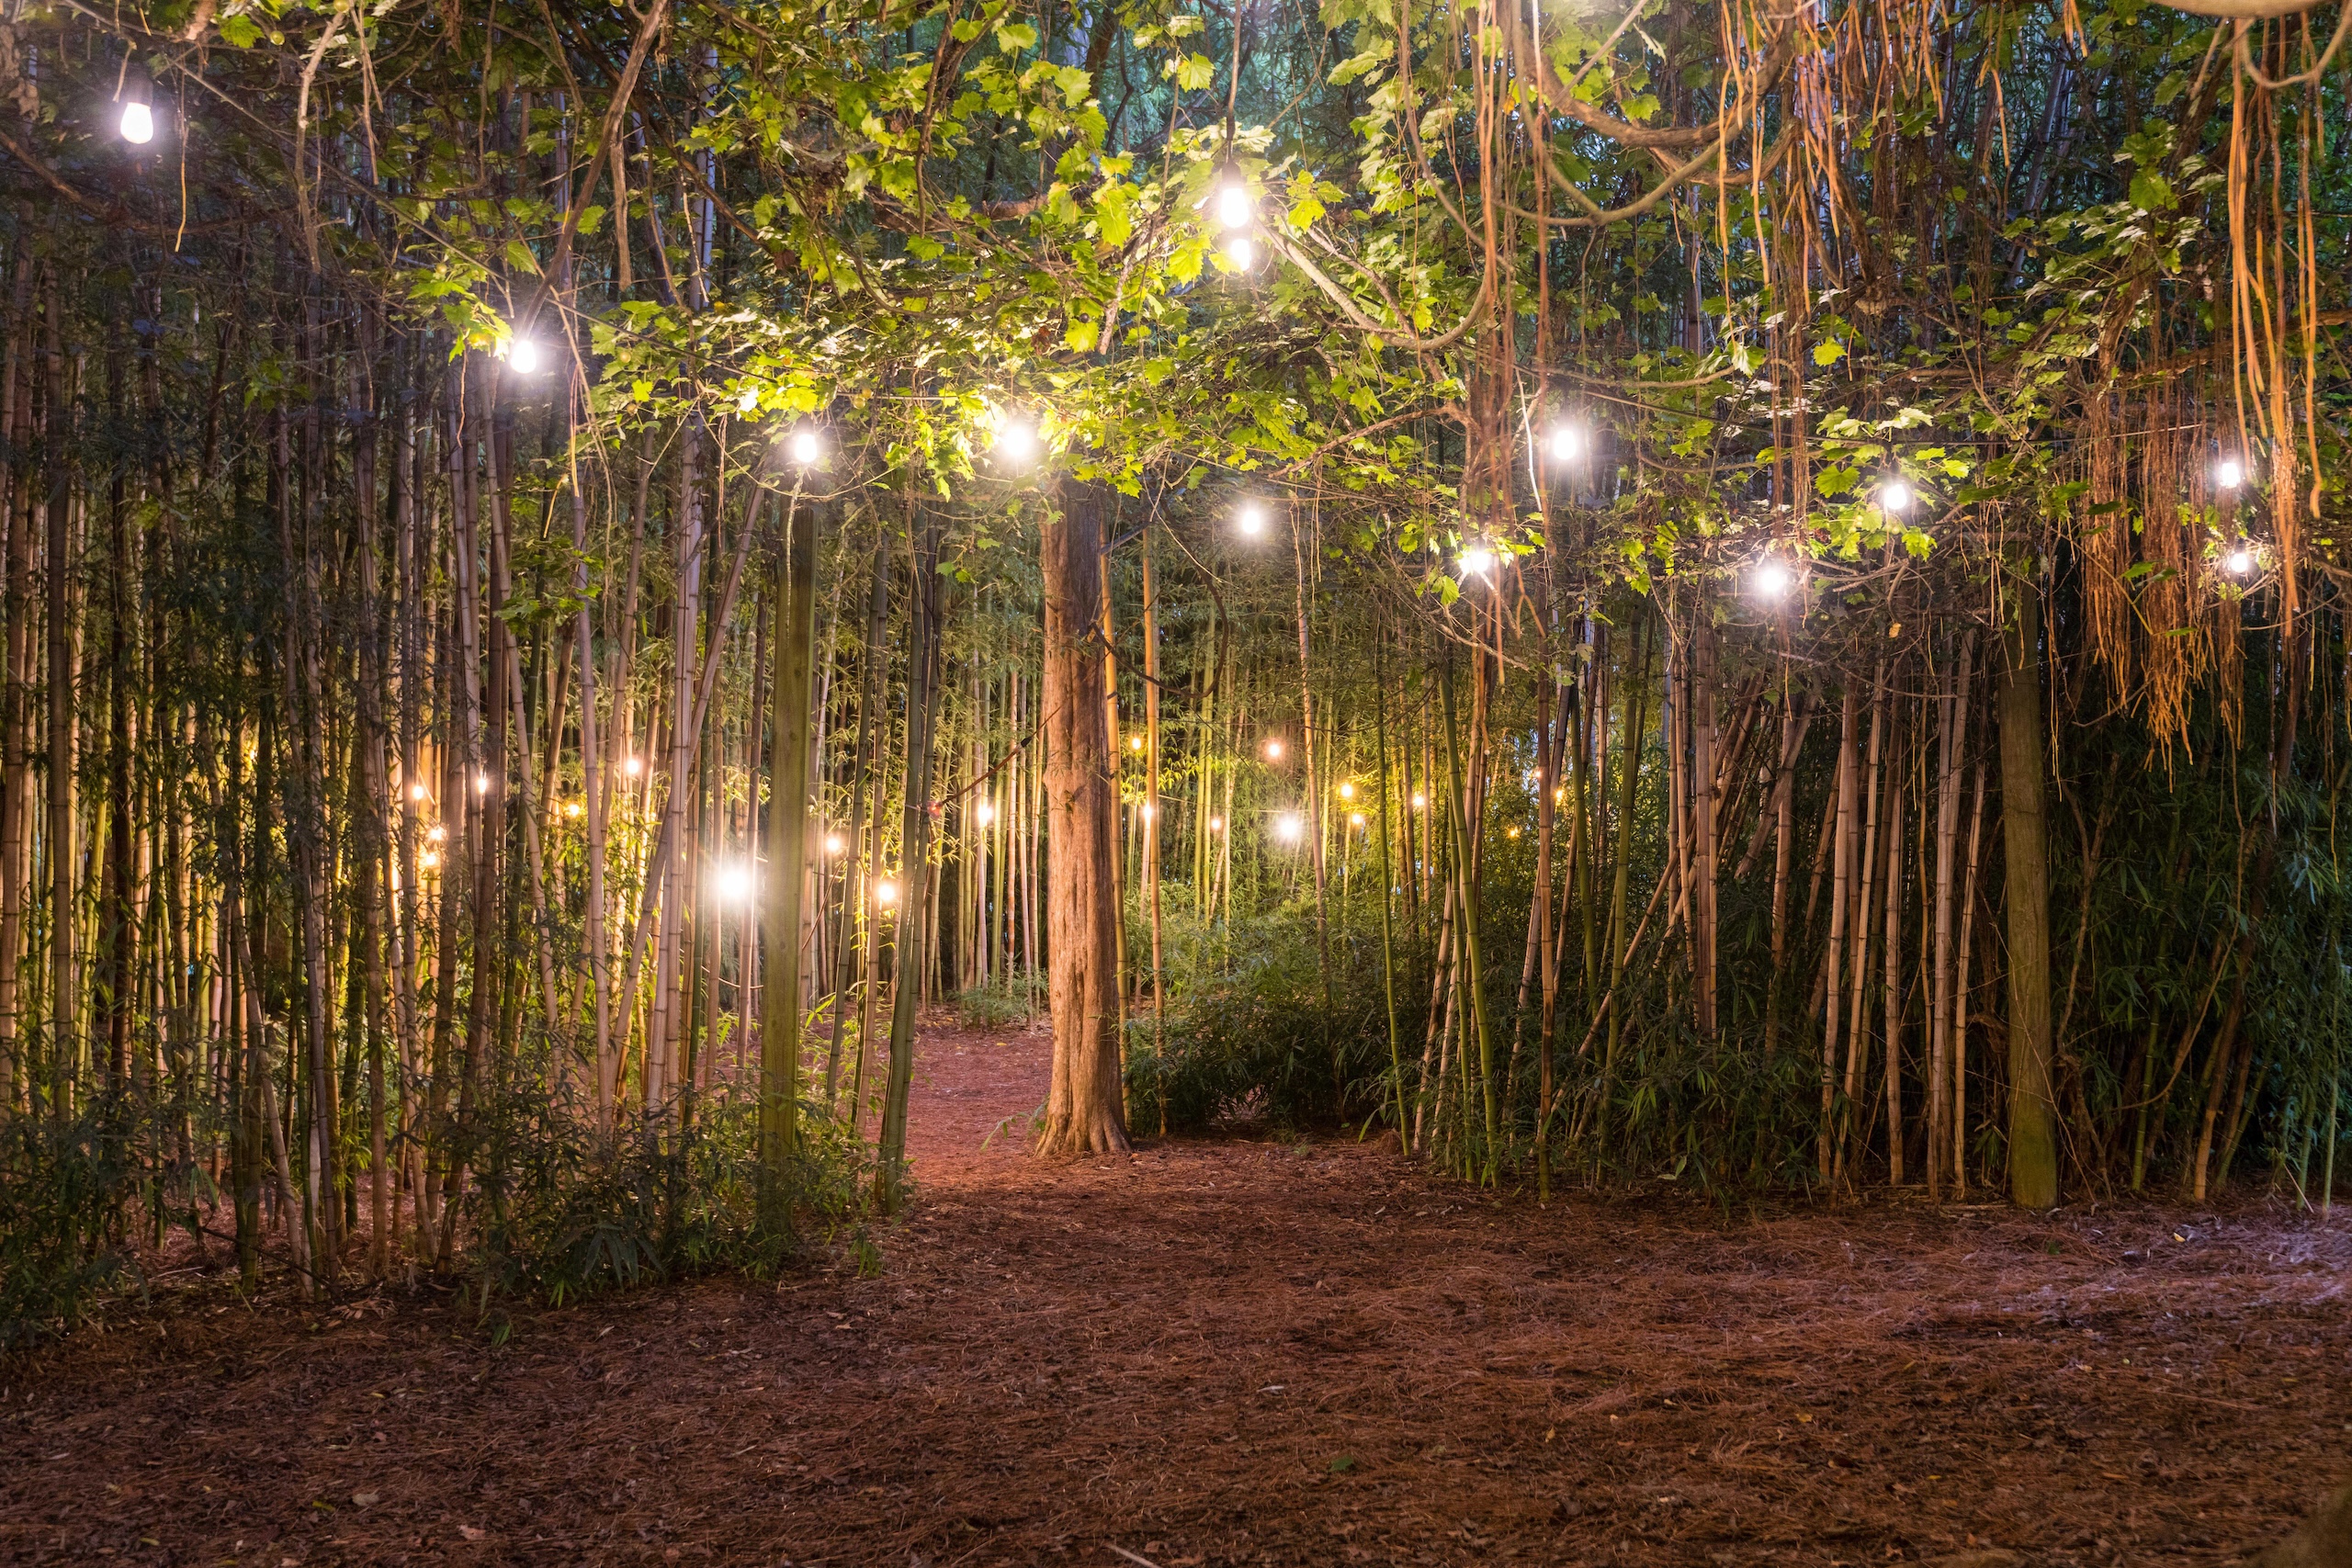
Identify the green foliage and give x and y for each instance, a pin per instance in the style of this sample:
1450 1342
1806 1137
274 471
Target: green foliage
568 1213
66 1191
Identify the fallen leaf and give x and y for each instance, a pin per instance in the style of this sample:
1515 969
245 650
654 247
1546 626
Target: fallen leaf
469 1532
366 1499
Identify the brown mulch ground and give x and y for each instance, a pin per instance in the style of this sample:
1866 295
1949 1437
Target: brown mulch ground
1242 1352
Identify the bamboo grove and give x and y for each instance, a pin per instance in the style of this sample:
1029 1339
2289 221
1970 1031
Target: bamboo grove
1698 592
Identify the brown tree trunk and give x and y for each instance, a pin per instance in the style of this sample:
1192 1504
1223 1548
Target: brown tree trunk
1082 1107
2033 1144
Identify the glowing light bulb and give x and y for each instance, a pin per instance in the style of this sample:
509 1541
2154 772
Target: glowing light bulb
1567 443
1249 521
984 814
1510 832
1288 828
1234 207
1478 560
416 791
632 766
1016 440
481 783
2228 473
2238 562
430 860
1273 750
522 356
571 808
137 123
1216 824
832 843
1347 791
434 835
1355 819
732 883
806 446
1894 496
1148 811
1773 579
1242 253
886 892
1420 801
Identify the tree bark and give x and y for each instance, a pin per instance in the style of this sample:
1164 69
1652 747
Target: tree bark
2033 1147
788 839
1083 1108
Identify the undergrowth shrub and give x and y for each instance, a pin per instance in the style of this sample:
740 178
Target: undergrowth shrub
65 1189
992 1006
1251 1035
566 1212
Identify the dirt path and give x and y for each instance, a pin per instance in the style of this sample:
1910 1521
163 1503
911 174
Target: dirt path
1244 1352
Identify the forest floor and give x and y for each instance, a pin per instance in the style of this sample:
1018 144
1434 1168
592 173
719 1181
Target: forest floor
1246 1352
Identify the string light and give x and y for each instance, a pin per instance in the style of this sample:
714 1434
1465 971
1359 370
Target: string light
1567 443
1773 578
522 356
416 791
2239 561
1240 253
1273 750
632 766
886 892
571 808
832 843
430 860
1477 559
2228 473
1147 811
1249 521
434 835
137 123
1134 743
1355 819
1510 832
1016 440
1347 791
1289 827
984 814
1216 824
1420 801
732 883
1234 207
807 446
481 783
1894 497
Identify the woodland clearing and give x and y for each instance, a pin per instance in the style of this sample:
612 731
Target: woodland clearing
1236 1351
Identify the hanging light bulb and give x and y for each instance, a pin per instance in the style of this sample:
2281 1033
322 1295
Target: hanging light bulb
1347 791
1355 819
807 446
1288 828
732 883
572 809
632 766
1567 443
1773 578
886 892
1478 559
1894 497
481 783
832 843
1420 801
137 123
430 860
2239 561
1147 811
984 814
1134 743
1273 750
1016 440
1234 207
1240 253
416 791
436 834
1249 521
2228 473
522 356
1216 824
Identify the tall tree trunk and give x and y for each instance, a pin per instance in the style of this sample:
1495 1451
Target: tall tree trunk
909 952
2032 1144
787 837
1084 1111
